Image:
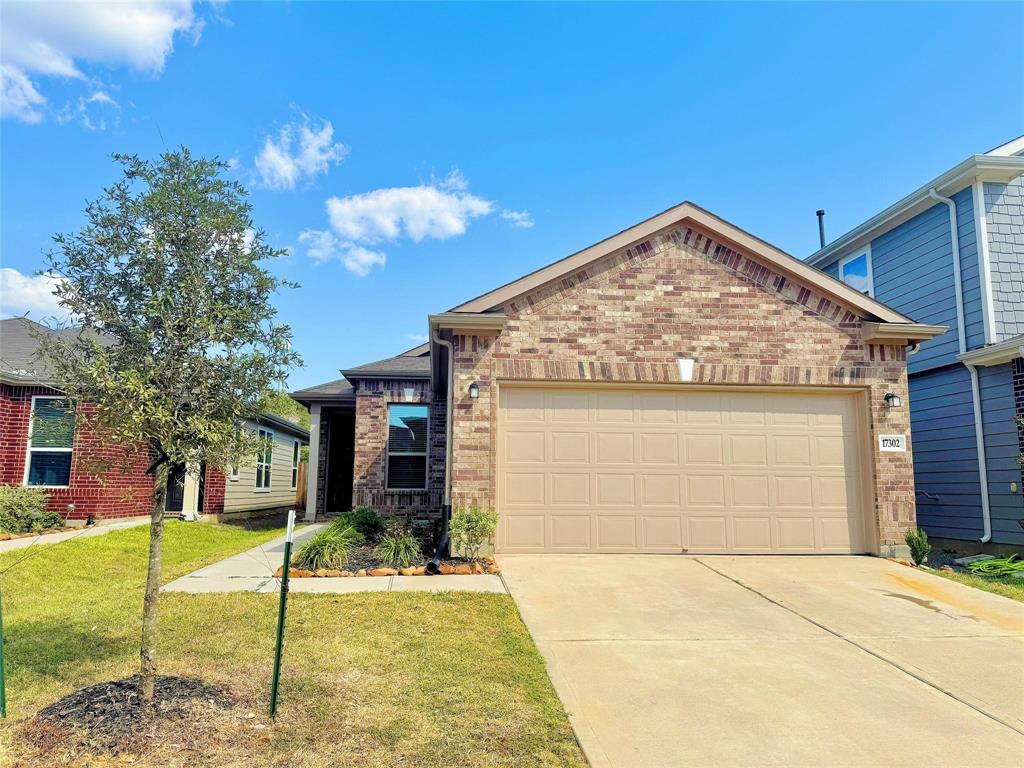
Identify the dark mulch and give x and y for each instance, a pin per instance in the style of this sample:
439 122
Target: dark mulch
363 557
110 717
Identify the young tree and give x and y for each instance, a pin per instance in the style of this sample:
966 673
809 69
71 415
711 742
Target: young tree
179 341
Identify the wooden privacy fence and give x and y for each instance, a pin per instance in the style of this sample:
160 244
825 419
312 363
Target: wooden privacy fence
300 489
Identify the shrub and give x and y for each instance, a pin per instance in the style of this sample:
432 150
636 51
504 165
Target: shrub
471 528
23 510
398 546
363 519
329 548
917 540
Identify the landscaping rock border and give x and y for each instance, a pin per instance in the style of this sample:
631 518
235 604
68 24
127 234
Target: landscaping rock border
8 536
477 568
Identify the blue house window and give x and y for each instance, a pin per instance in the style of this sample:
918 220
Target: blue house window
407 447
855 271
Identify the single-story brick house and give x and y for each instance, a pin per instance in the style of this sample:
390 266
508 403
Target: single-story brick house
681 386
88 478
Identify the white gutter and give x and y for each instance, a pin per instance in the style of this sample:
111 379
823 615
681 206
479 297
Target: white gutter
449 417
979 430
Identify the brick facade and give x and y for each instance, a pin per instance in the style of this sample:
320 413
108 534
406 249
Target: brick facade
630 315
214 486
369 478
121 489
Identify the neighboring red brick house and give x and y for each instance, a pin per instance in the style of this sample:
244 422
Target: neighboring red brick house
679 387
44 444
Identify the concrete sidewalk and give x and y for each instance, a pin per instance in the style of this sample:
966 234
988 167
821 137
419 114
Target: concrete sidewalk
253 571
78 532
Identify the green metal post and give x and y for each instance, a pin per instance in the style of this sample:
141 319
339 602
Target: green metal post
282 605
3 679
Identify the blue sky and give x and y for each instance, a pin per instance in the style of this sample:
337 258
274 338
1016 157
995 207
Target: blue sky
469 144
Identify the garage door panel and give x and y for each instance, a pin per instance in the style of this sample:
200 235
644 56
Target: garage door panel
570 489
616 532
663 470
659 448
615 490
661 533
751 450
570 532
660 491
613 447
570 447
752 534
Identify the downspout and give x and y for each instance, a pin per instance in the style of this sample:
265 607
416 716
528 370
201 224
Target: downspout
979 430
446 508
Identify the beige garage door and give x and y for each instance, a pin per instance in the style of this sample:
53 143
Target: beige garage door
702 471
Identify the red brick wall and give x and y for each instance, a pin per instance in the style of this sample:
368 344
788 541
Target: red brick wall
369 478
123 489
632 314
214 481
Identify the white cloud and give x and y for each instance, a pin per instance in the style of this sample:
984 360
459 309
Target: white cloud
521 219
18 97
325 246
95 111
300 151
438 210
20 294
55 39
419 338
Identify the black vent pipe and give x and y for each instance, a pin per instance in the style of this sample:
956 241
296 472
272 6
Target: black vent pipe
821 226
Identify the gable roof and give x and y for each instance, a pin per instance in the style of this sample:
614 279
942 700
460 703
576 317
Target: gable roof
20 361
404 366
687 211
1000 164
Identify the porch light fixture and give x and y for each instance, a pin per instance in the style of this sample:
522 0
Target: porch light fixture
893 400
474 390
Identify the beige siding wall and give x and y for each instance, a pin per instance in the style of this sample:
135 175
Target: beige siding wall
241 494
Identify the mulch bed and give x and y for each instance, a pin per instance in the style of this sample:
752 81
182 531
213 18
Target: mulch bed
110 717
363 557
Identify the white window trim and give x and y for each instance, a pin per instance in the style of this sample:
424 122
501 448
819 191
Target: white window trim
269 475
236 473
296 456
866 252
388 453
28 444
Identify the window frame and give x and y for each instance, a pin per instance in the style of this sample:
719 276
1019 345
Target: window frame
268 467
866 253
235 474
296 458
29 450
425 453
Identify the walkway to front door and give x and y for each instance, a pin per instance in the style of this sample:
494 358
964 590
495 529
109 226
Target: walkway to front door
775 661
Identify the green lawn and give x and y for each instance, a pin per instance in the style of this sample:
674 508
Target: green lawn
1005 586
372 679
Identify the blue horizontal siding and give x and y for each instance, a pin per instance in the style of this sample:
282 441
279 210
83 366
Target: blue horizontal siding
946 459
832 270
1002 453
912 267
945 455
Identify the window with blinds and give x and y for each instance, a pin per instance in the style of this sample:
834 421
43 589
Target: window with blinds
407 447
51 437
265 460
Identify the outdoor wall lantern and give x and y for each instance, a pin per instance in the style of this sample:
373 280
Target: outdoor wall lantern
893 400
474 390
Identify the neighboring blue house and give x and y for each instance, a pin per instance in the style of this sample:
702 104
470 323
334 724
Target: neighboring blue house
966 385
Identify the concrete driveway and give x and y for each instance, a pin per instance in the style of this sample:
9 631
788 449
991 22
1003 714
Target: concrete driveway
775 661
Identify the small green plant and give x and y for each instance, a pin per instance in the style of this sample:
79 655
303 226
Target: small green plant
329 548
917 540
23 510
363 519
471 528
398 546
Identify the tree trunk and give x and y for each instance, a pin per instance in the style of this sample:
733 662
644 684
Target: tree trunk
147 654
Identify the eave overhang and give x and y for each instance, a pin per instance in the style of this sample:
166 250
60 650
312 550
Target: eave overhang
981 167
995 354
907 333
